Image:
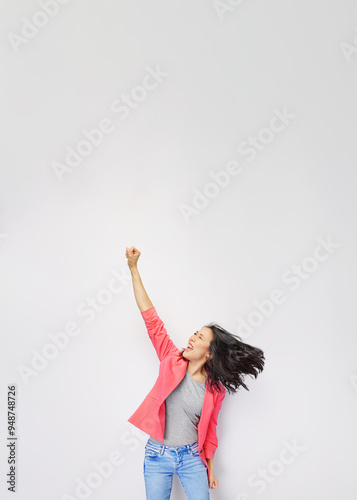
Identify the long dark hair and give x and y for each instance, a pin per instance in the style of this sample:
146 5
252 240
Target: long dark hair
231 360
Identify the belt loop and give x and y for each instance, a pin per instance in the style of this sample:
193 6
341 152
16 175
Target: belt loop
162 450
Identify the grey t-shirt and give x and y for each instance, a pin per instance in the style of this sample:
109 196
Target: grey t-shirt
182 412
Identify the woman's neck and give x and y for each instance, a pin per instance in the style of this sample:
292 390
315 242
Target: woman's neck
197 369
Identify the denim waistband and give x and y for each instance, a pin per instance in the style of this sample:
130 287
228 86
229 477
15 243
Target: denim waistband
157 446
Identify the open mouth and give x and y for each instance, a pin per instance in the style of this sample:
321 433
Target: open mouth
189 348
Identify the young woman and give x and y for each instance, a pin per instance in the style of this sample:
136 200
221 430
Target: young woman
181 410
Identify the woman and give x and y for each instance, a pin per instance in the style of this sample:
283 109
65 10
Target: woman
181 410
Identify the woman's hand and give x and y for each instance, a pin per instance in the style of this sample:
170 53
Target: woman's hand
132 254
213 481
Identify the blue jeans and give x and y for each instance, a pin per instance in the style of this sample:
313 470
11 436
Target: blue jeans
161 462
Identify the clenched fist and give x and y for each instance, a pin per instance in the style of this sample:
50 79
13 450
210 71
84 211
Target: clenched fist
132 254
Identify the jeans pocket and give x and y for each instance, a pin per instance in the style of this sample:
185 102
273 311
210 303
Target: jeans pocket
151 453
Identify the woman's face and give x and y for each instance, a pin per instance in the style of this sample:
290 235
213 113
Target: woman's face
200 341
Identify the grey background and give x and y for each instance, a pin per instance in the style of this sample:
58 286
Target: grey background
60 240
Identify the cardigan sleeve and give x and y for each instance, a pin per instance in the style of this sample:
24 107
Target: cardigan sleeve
159 337
211 441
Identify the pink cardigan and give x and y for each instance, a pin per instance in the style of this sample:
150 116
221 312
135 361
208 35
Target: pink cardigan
150 416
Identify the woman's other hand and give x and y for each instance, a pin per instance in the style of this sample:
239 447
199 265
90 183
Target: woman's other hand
213 481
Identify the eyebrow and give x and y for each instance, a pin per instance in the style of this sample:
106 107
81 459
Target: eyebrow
200 334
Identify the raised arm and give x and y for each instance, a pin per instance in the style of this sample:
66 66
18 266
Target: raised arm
141 297
162 342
